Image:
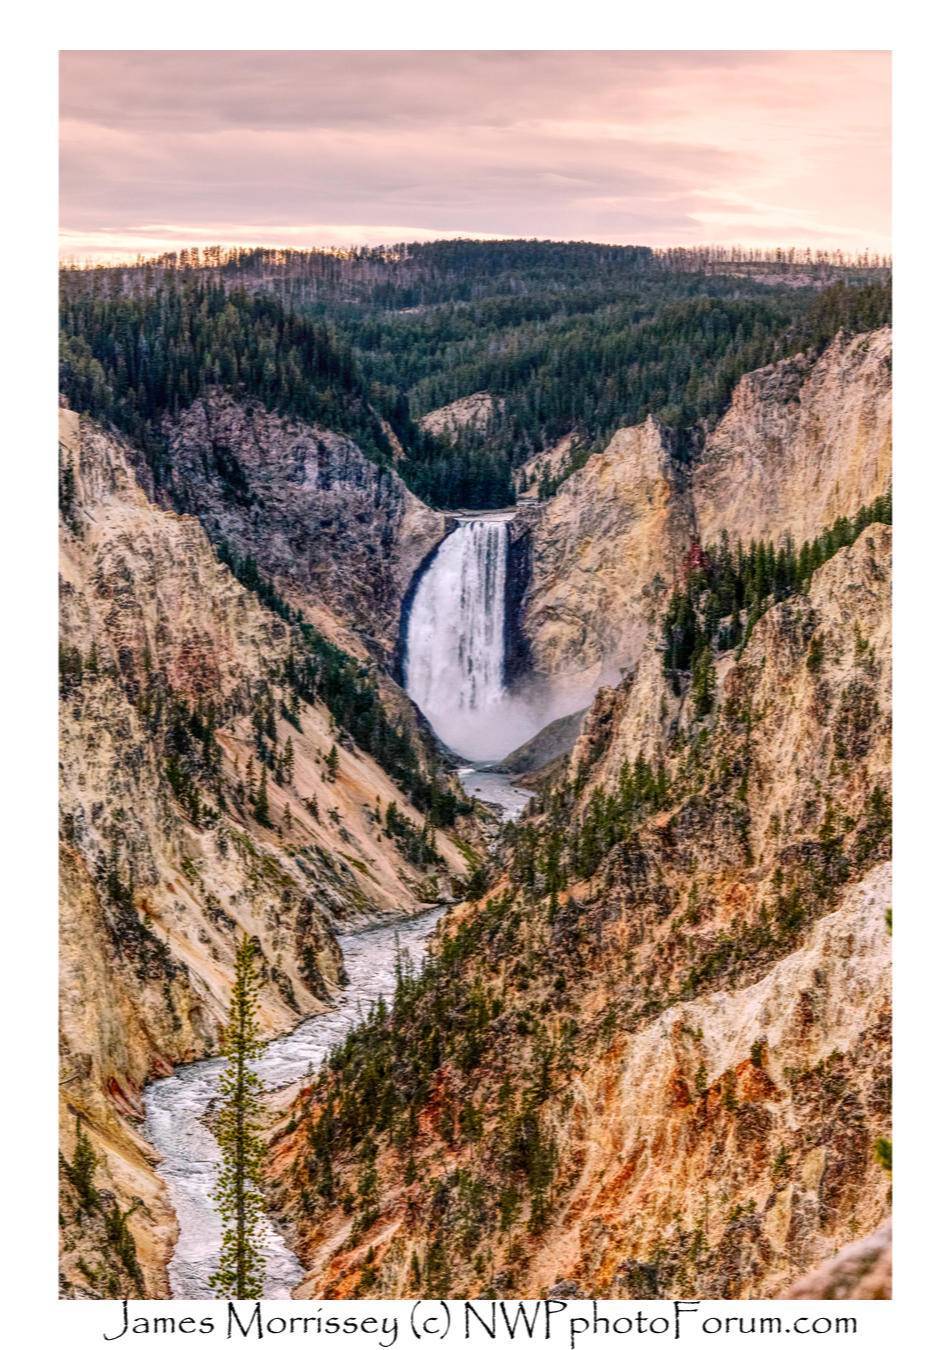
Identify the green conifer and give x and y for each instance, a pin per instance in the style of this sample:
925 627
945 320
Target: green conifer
261 804
333 763
82 1169
704 681
238 1192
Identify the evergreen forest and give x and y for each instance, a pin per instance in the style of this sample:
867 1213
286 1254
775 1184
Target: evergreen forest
567 338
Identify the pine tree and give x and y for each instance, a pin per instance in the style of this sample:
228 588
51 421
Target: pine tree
704 681
67 493
238 1192
261 804
294 711
82 1168
333 763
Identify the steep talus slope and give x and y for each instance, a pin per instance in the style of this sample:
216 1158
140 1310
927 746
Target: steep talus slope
120 1013
803 442
548 746
708 1153
654 1061
340 534
186 819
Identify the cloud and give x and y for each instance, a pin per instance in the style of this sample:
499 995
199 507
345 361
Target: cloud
314 147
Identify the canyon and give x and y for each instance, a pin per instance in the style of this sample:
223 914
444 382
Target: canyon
648 1055
708 1014
171 669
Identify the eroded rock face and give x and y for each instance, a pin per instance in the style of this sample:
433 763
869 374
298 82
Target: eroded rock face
547 466
802 443
751 1114
166 863
602 552
861 1270
474 412
340 535
848 607
750 1159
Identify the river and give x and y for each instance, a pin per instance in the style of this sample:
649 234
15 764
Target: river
484 783
456 676
176 1107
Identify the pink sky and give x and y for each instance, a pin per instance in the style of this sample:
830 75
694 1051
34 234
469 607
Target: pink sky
173 149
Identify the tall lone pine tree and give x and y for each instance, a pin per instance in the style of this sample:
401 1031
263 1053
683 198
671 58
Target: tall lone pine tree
238 1193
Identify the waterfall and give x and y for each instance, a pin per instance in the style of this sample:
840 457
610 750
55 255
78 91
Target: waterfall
455 643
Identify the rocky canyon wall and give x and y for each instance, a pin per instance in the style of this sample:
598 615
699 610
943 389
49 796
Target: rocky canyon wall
340 535
671 1079
176 717
803 441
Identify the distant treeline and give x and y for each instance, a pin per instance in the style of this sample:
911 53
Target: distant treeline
580 366
454 255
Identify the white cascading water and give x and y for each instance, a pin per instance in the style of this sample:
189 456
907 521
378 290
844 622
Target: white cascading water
455 643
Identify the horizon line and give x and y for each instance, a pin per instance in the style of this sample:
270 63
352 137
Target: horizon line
797 254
